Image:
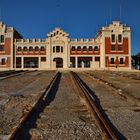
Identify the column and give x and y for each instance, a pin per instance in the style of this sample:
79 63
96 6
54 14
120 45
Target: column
39 60
22 63
76 66
15 63
93 59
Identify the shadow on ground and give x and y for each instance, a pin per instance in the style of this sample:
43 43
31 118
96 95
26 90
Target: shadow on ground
23 133
97 101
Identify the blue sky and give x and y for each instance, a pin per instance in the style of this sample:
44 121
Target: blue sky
80 18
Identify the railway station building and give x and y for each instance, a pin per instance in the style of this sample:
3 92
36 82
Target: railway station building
110 49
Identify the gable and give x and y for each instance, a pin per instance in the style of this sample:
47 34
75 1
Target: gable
57 32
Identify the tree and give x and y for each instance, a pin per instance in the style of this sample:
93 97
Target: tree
136 61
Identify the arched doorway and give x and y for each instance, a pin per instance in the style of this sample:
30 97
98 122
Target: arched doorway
59 62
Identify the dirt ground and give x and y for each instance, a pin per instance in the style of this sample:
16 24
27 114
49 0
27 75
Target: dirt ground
64 114
17 96
121 101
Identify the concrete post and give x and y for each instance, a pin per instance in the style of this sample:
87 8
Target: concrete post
22 63
39 60
76 66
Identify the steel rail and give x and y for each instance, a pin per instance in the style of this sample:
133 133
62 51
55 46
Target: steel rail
9 74
102 122
14 74
26 116
109 84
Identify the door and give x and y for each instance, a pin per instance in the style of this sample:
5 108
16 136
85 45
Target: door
59 62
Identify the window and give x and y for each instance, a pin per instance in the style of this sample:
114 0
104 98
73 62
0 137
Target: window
19 49
1 38
97 58
43 59
112 47
96 48
3 61
120 47
73 48
54 49
79 48
25 49
90 48
84 48
42 48
57 48
36 48
121 60
1 47
61 49
30 48
57 32
113 37
112 60
119 38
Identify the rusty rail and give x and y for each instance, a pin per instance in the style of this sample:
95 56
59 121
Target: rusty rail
8 74
107 131
25 117
109 84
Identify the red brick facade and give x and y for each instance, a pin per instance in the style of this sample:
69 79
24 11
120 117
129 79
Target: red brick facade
116 51
87 52
31 52
110 48
117 62
6 53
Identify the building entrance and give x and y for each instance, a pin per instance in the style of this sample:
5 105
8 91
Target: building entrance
59 62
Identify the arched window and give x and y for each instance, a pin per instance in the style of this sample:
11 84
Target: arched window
30 48
53 49
25 49
36 48
112 60
113 37
85 48
73 48
57 48
3 61
79 48
121 61
61 48
90 48
96 48
19 49
119 38
42 48
1 38
1 47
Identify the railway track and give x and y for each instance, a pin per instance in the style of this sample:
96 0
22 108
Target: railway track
120 110
118 90
100 118
130 75
107 132
11 73
122 92
40 100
